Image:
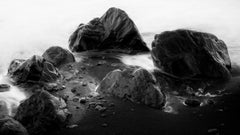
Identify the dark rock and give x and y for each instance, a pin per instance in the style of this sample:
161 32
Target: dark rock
9 126
58 56
191 54
135 84
3 108
42 112
4 87
35 69
113 31
192 102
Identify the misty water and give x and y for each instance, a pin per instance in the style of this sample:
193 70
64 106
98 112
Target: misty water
29 27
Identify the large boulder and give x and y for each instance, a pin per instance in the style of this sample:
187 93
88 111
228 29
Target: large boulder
58 56
35 69
135 84
9 126
42 112
114 31
191 54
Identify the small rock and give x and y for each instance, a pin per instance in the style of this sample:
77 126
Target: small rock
83 100
76 99
100 108
192 102
132 109
77 107
65 97
73 90
104 125
84 84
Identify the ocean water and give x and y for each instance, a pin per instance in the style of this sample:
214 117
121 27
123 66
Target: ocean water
29 27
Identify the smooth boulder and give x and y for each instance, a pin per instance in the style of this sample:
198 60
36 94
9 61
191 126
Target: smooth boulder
42 112
9 126
58 56
191 54
135 84
35 69
113 31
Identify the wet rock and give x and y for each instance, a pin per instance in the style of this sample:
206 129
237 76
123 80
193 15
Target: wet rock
42 112
3 108
58 56
135 84
35 69
4 87
114 30
191 54
9 126
192 102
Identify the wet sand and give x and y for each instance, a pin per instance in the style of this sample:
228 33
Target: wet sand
123 117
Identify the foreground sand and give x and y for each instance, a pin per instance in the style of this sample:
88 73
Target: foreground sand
123 117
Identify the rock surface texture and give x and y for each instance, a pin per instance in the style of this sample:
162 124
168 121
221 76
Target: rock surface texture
114 31
58 56
135 84
191 54
9 126
42 112
34 69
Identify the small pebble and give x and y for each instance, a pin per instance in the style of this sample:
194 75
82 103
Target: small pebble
75 99
83 100
104 125
103 115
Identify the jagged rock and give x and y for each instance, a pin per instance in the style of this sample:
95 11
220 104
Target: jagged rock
58 56
114 31
42 112
135 84
9 126
4 87
34 69
191 54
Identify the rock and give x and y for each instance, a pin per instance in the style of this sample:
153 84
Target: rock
83 100
4 87
3 108
58 56
191 54
100 108
9 126
35 69
113 31
42 112
192 102
135 84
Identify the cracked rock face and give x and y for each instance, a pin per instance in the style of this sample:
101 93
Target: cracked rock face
35 69
58 56
9 126
135 84
191 54
114 31
42 112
